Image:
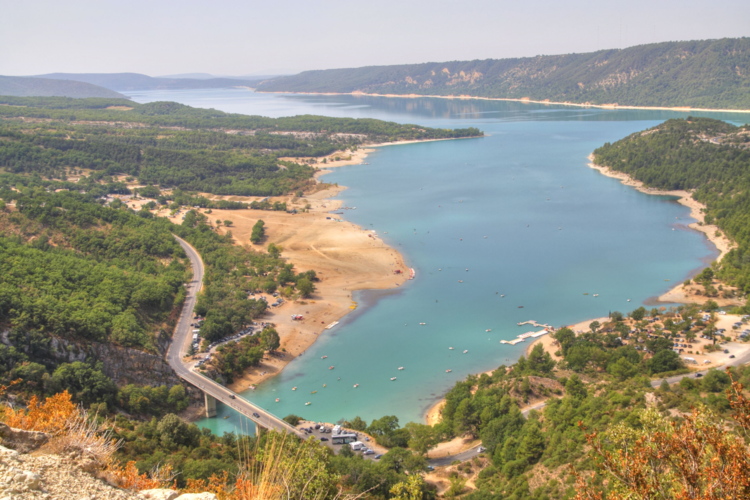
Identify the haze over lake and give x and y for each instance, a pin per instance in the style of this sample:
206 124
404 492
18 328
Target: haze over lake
502 229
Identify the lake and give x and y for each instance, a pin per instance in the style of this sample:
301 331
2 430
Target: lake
500 230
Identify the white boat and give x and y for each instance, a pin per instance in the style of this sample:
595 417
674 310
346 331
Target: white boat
465 351
308 403
356 385
393 378
400 367
448 370
450 348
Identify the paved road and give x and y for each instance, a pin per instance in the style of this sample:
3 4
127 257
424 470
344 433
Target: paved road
181 343
461 457
739 360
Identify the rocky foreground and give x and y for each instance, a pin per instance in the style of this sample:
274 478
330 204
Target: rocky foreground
28 473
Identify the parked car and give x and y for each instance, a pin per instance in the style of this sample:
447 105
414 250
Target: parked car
324 439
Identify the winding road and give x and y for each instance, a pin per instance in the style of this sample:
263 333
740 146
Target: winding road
181 343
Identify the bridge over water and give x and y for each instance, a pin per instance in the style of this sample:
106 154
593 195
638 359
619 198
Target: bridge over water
212 391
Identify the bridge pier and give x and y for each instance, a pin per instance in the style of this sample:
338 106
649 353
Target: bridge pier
210 405
259 430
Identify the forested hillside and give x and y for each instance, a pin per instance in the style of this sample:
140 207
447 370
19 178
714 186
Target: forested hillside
706 74
176 146
28 86
709 157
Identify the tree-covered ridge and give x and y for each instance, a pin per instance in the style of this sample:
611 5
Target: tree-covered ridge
77 270
710 158
703 73
176 146
29 86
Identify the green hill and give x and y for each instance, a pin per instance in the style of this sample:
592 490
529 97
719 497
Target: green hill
42 87
706 74
709 157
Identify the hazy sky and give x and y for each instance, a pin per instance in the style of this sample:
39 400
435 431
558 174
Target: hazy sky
239 37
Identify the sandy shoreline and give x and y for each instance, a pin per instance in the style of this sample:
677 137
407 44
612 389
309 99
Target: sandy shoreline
464 97
344 256
723 244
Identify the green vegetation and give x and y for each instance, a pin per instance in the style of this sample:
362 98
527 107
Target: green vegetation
710 158
691 73
258 232
598 384
175 146
28 86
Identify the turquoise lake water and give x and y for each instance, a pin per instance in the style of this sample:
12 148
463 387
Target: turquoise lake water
489 224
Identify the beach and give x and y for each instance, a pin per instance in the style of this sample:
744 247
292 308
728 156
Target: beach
344 256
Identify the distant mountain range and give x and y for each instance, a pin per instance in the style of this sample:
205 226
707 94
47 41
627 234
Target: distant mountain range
27 86
137 81
704 74
107 84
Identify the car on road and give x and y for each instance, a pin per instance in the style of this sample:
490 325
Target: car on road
731 356
256 415
379 456
368 452
430 468
480 449
324 439
698 375
233 396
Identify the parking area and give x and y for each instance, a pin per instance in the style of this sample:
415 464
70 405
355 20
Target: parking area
324 433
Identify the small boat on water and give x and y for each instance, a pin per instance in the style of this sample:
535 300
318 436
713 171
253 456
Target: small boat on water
400 367
313 392
448 370
450 348
488 330
308 403
226 417
277 400
465 351
356 385
325 385
423 324
393 378
294 388
330 367
323 357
